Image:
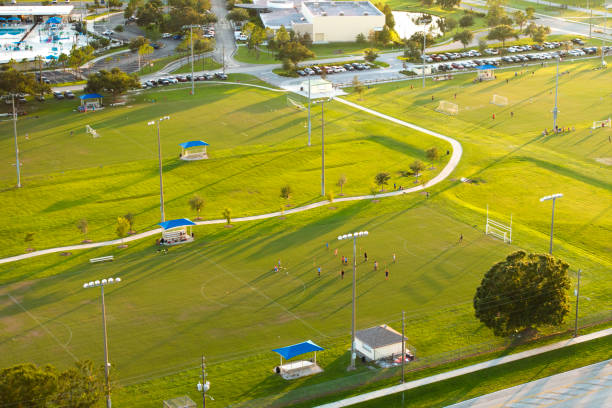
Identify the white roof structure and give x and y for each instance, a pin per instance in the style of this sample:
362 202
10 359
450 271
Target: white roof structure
342 8
35 10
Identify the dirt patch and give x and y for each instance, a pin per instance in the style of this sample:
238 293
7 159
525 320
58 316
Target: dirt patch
228 226
604 160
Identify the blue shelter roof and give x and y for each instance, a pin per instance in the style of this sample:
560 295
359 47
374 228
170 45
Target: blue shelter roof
488 66
297 349
181 222
193 143
14 19
91 96
54 20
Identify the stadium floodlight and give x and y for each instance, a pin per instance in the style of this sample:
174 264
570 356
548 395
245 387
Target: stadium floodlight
161 180
322 102
354 236
552 197
103 283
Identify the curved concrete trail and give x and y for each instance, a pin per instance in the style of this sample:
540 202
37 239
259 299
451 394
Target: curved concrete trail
457 151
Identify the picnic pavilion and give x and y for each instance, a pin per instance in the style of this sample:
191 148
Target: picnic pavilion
194 150
299 368
177 231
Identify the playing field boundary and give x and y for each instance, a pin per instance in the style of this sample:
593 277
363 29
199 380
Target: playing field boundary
456 154
465 370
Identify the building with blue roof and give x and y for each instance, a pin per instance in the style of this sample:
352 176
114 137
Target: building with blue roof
177 231
193 150
300 368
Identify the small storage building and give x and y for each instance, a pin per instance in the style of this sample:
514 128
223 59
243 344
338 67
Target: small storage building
378 342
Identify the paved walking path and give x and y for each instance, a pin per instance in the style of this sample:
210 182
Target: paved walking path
465 370
457 151
589 386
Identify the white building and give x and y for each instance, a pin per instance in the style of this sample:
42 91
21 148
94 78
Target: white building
379 342
323 21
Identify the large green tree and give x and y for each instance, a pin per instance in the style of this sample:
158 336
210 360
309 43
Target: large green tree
465 37
114 82
295 52
502 33
448 4
523 291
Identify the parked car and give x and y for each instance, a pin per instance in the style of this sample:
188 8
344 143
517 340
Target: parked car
68 95
177 37
166 35
58 95
156 46
222 76
40 98
578 41
107 33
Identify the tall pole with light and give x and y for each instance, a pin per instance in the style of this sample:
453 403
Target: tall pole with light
424 39
309 125
552 221
17 164
354 237
192 62
159 157
556 109
101 284
322 102
603 38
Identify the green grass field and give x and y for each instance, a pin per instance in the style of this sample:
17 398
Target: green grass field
203 64
218 296
258 145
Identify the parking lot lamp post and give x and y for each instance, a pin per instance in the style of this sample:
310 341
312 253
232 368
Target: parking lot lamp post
354 237
309 125
322 102
603 38
17 164
101 284
424 39
161 180
552 221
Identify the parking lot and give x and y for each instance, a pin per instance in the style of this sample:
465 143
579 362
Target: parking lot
57 77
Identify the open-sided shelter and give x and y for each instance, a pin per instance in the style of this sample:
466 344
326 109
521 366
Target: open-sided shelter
300 368
91 102
177 231
485 72
194 150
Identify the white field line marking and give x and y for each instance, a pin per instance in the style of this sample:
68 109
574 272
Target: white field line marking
44 327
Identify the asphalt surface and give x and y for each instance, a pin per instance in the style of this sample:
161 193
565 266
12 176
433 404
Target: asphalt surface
224 36
589 386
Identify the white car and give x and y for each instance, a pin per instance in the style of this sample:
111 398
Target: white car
108 33
166 35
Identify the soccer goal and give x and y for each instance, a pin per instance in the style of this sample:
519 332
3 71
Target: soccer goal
498 229
295 104
91 131
448 108
602 123
499 100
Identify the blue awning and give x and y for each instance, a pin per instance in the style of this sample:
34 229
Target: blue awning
14 19
54 20
297 349
488 66
193 143
51 57
181 222
2 19
91 96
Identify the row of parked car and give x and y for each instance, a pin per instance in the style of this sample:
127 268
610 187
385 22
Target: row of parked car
334 69
65 95
183 78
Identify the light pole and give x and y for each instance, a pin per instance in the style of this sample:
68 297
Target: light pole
354 237
555 109
191 40
309 125
17 164
322 102
424 39
161 180
603 38
552 222
101 284
577 297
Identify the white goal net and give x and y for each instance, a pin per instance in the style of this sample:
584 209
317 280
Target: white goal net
499 100
448 108
295 104
498 229
602 123
91 131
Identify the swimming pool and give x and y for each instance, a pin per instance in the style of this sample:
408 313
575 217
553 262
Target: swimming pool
12 31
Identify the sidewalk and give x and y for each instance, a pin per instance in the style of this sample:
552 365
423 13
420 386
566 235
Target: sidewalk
466 370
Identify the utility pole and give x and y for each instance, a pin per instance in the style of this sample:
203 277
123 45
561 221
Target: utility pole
223 58
106 364
203 382
354 325
577 297
555 109
603 38
17 164
309 125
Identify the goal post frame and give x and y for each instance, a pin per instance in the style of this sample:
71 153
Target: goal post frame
502 102
447 108
498 229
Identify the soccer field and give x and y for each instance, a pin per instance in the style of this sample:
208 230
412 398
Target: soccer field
219 295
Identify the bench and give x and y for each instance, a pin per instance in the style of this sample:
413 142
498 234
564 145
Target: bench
102 259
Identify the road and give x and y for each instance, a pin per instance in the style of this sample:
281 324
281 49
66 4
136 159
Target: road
589 386
224 36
